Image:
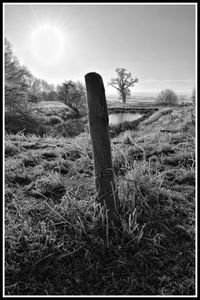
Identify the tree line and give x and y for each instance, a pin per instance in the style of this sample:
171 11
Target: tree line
22 89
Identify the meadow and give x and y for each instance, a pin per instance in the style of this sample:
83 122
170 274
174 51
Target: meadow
56 239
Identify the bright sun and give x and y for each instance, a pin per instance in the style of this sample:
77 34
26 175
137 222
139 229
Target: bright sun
47 43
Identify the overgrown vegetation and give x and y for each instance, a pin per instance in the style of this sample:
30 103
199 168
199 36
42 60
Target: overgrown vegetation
42 122
56 238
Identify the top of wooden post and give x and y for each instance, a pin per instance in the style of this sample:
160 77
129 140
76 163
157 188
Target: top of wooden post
95 79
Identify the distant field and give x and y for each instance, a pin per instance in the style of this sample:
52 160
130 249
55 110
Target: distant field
137 101
50 104
130 104
142 101
113 103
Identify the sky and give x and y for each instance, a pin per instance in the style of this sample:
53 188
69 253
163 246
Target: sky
58 42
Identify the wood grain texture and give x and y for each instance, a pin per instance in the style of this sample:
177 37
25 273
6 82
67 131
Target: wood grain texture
99 131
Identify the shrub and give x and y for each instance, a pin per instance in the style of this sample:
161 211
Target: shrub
73 95
167 97
69 128
27 122
65 113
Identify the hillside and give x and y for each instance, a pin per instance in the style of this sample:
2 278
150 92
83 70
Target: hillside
56 242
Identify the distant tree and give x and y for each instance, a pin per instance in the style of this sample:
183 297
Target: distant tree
16 86
52 96
33 91
40 90
73 95
167 97
45 86
193 96
123 82
35 87
44 96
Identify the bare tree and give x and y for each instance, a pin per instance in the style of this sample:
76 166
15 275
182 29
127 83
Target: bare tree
73 95
167 97
123 82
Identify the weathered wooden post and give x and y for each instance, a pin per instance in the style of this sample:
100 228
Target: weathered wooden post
99 131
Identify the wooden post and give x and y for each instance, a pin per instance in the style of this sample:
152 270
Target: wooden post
99 131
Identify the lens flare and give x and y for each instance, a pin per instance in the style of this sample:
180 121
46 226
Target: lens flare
47 43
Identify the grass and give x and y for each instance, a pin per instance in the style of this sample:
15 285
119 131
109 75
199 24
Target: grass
157 115
57 241
10 149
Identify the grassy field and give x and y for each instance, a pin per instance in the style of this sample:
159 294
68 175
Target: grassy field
47 104
56 239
